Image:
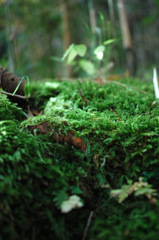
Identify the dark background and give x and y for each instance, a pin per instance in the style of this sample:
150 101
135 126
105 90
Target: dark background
32 32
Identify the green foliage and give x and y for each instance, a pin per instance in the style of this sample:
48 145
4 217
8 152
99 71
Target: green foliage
27 86
33 184
18 86
40 92
88 66
73 51
134 220
97 56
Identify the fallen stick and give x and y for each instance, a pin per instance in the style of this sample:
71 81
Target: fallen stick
87 225
15 95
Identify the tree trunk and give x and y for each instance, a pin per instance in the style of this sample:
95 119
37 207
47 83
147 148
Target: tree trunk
93 24
11 57
127 42
66 32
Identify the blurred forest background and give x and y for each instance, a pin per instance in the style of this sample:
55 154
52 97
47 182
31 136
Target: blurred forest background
34 34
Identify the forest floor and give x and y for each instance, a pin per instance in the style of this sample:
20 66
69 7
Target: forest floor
84 163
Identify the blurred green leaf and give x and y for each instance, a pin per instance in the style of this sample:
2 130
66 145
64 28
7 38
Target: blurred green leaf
67 51
81 49
110 41
87 66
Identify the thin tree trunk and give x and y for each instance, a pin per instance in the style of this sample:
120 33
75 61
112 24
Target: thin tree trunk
66 32
11 57
112 18
92 16
66 25
111 11
93 23
127 42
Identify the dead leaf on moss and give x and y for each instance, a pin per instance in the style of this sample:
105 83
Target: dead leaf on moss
70 137
138 188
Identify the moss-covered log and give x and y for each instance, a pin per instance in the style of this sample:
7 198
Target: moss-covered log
40 175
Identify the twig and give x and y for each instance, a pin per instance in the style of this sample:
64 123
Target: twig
82 96
123 85
15 95
87 226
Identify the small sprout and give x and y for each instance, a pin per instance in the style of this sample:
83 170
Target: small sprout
99 52
109 41
67 51
17 85
73 51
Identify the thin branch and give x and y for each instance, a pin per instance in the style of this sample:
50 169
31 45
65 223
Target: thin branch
134 88
82 96
87 225
15 95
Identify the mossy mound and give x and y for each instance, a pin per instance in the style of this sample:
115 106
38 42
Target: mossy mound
10 111
119 124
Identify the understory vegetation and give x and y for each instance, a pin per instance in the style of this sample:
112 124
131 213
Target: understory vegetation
85 166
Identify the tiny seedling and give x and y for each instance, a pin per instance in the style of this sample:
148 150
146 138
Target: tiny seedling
18 85
27 89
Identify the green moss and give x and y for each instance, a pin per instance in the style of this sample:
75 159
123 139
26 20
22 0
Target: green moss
120 125
41 91
36 176
10 111
136 220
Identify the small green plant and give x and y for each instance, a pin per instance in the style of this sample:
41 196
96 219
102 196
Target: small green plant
27 88
89 66
91 60
18 86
